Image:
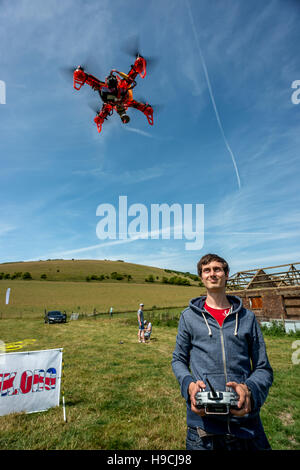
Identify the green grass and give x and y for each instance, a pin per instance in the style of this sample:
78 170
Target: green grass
124 395
78 270
29 299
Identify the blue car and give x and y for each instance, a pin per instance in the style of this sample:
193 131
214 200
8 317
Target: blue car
55 316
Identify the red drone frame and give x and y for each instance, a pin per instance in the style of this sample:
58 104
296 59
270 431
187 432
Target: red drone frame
116 91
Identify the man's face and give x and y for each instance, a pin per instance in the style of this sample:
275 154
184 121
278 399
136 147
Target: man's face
213 275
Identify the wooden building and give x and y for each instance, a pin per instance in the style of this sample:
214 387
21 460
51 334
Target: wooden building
271 293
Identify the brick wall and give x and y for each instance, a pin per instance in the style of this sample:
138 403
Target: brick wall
272 303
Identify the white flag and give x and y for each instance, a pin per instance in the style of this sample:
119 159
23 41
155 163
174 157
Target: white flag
7 295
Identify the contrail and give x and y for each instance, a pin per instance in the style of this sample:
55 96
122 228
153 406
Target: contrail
211 93
139 131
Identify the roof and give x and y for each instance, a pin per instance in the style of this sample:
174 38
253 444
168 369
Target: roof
272 276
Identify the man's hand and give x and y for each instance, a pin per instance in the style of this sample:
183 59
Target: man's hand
244 403
194 388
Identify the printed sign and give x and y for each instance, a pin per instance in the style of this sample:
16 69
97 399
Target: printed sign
30 381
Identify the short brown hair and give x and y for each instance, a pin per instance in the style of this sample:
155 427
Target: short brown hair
206 259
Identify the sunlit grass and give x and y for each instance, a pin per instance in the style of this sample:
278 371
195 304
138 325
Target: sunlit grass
31 298
121 394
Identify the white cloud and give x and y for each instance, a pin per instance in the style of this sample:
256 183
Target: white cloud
6 228
126 177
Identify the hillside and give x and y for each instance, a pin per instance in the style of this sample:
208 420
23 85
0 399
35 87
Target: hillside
92 271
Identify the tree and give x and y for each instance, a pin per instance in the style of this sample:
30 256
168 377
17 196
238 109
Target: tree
27 275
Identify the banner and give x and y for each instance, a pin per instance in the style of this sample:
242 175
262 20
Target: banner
30 381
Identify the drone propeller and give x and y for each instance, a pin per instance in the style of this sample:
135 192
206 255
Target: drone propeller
133 49
89 65
68 71
157 108
94 107
132 46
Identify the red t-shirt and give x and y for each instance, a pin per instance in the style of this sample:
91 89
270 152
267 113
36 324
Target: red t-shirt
218 313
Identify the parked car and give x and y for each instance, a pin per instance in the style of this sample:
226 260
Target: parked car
55 316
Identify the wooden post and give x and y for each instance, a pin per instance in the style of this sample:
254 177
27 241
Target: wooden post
283 314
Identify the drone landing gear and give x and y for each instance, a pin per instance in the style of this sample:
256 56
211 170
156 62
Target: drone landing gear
148 111
140 66
145 108
106 110
79 78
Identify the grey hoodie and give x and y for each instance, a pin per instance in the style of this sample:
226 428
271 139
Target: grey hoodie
234 352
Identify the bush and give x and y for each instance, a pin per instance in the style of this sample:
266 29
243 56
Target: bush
176 280
94 277
27 275
16 275
116 276
277 329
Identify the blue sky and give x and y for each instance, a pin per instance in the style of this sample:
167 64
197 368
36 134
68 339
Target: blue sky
227 134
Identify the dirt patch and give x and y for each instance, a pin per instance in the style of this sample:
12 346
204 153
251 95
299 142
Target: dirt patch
286 418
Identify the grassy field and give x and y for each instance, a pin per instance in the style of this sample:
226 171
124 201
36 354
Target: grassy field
78 270
65 287
124 395
31 298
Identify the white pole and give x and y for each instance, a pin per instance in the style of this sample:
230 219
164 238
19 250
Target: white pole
7 296
63 387
64 409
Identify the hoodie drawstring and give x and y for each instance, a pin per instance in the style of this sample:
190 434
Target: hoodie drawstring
208 327
236 324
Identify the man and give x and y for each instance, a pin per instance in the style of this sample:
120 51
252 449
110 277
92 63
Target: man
140 315
220 340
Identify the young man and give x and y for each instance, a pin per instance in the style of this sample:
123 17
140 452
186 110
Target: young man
220 340
140 316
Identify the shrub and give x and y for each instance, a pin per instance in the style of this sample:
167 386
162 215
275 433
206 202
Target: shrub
116 276
16 275
276 328
27 275
177 280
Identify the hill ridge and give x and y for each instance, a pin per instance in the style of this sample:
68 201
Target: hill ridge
92 270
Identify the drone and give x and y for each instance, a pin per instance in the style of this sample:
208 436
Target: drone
116 91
